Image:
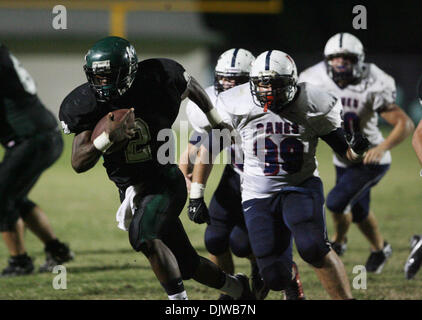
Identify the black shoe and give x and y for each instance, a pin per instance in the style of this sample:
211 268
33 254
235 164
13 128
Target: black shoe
225 297
414 261
56 253
18 266
339 248
377 259
294 291
246 293
259 288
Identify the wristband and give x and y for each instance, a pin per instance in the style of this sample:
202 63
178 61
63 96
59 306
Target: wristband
196 190
213 117
102 142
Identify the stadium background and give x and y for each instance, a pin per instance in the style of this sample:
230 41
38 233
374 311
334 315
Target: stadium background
195 33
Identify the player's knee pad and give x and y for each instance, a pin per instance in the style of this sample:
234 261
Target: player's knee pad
276 274
335 202
359 214
312 248
25 207
8 215
216 239
239 242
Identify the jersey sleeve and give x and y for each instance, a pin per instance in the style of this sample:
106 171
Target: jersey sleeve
325 112
79 111
177 76
385 92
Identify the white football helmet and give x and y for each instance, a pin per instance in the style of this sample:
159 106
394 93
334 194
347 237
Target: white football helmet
233 65
273 80
346 45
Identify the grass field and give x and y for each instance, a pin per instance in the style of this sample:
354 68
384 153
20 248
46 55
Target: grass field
82 210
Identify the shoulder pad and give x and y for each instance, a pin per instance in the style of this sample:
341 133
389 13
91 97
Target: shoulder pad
79 111
236 101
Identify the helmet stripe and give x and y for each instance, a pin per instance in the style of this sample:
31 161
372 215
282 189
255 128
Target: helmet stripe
234 57
267 60
341 40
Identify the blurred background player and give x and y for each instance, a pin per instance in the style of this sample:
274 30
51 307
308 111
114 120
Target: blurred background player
366 92
32 142
226 230
414 261
280 123
152 193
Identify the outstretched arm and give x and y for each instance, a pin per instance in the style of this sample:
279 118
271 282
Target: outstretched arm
402 128
198 95
355 151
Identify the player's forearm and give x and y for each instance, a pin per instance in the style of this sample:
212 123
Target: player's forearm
203 167
402 126
186 160
84 153
402 129
417 142
198 95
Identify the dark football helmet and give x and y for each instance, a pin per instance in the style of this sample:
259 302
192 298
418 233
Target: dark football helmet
111 66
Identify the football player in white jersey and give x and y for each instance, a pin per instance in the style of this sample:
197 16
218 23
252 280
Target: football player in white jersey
414 261
279 123
226 230
366 93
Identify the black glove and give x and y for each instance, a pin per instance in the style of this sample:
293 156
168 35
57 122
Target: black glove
359 143
198 211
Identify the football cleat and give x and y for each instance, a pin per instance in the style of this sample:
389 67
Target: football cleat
295 290
339 248
414 261
56 254
259 288
247 294
377 259
18 266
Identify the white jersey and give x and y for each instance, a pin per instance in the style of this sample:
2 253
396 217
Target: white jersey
279 150
361 102
200 124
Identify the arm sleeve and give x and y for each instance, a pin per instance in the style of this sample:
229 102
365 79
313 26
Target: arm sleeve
177 76
325 122
337 141
78 111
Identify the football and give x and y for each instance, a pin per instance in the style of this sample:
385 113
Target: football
100 128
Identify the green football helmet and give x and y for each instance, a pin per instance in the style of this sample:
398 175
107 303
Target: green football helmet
110 68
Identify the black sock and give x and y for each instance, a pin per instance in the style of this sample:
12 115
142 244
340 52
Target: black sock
174 286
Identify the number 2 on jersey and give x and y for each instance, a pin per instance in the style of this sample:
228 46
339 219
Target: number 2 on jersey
138 148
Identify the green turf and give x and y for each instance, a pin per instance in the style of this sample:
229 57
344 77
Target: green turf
82 209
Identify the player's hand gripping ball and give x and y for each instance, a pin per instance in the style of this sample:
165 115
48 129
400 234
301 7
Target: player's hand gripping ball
120 127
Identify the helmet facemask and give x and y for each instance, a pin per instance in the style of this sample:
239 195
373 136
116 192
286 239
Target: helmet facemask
349 75
273 92
110 83
227 80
